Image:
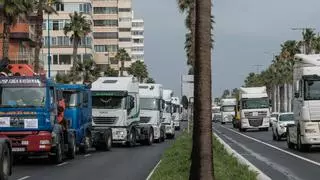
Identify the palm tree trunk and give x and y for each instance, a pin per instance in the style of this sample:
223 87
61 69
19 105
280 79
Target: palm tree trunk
6 40
121 68
38 47
288 97
75 51
278 98
285 104
192 30
201 156
274 98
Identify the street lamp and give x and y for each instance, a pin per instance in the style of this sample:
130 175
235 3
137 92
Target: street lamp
49 55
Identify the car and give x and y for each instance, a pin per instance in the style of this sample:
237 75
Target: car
279 126
273 117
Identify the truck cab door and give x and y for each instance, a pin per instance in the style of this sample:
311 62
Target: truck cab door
298 101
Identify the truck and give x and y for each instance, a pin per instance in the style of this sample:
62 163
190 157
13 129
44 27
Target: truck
116 104
6 159
254 108
305 132
176 112
151 107
167 114
227 110
78 111
29 118
216 113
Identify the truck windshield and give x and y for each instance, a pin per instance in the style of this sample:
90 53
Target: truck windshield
23 97
175 108
216 110
255 103
227 108
70 98
312 90
108 102
149 104
286 117
168 107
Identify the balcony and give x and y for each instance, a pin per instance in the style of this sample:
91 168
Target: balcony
22 58
23 31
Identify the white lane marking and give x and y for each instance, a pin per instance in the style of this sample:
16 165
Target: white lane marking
151 173
87 155
61 164
265 160
274 147
25 177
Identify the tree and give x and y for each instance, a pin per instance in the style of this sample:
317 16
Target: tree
191 71
10 12
79 27
42 6
138 69
216 100
150 81
122 56
202 156
110 72
63 78
225 93
184 102
308 36
87 71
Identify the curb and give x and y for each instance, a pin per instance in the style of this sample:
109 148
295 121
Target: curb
242 160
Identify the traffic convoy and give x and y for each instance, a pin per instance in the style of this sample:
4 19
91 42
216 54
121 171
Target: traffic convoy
252 108
39 117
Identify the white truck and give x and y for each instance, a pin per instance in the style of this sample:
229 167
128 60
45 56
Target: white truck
116 104
176 112
167 114
216 113
152 106
228 107
254 108
305 131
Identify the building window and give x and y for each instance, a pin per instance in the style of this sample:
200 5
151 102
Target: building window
105 35
137 33
125 19
105 10
124 39
137 48
64 59
137 24
59 7
111 23
106 48
55 25
138 41
124 10
124 29
44 25
55 59
85 8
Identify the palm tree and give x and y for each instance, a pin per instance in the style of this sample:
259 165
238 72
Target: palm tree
122 56
79 27
85 71
202 157
150 80
138 69
316 44
11 11
308 36
42 6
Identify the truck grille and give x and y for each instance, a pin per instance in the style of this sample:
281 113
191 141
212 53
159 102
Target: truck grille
255 121
105 120
260 114
145 119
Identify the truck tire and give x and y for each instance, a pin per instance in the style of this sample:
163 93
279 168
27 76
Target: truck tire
85 147
5 164
72 148
162 136
150 138
131 138
289 143
302 147
58 157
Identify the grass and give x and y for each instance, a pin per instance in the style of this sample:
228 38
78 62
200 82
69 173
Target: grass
175 164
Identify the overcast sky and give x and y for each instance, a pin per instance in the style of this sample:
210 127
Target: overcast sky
247 32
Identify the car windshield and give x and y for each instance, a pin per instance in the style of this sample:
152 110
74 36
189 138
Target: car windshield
255 103
286 117
227 108
108 102
23 97
312 90
70 98
149 104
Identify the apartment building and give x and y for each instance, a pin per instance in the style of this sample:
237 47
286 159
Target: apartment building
112 30
137 51
60 44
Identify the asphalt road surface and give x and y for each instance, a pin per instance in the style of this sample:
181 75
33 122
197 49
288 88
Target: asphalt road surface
121 163
272 157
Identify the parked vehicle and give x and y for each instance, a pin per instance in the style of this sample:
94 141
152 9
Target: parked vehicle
254 108
176 112
78 111
116 105
167 114
28 117
228 107
216 113
305 132
6 159
279 125
151 107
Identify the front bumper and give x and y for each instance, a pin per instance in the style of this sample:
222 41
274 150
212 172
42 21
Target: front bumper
169 129
255 124
119 134
310 139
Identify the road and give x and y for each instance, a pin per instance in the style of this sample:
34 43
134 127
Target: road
271 157
120 163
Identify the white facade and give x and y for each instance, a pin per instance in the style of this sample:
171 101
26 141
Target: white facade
187 85
60 45
137 31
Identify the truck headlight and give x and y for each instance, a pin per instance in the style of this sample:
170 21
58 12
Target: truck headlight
121 133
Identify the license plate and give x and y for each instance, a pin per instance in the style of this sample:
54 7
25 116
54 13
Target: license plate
254 113
18 149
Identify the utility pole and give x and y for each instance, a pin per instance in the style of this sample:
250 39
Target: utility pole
258 67
303 31
49 55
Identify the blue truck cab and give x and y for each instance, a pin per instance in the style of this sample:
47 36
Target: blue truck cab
78 113
28 117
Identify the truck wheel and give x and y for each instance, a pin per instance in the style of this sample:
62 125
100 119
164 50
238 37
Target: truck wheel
108 142
131 138
84 148
72 148
162 136
150 138
302 147
266 129
58 157
5 163
289 144
223 122
277 136
273 135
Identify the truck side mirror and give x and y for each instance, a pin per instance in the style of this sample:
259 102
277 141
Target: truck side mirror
296 95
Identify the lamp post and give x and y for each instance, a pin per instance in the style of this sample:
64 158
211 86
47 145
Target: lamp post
49 55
